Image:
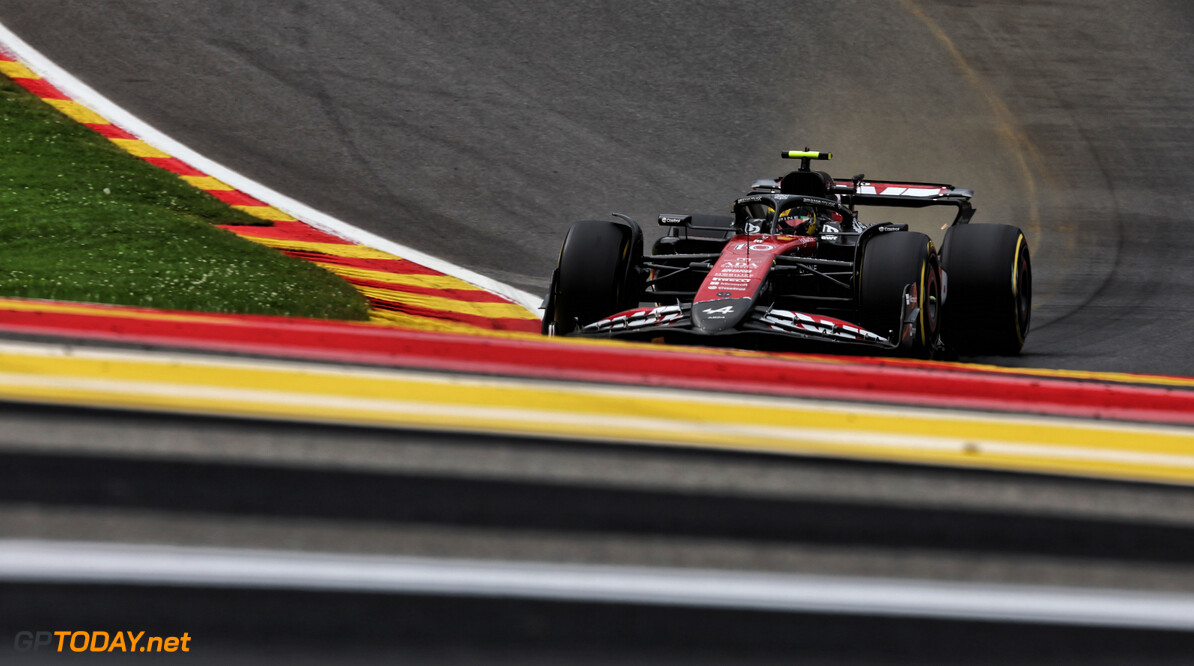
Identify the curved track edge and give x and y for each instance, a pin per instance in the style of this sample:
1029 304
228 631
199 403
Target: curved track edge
405 287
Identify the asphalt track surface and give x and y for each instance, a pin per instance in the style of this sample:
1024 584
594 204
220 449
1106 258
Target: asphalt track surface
478 132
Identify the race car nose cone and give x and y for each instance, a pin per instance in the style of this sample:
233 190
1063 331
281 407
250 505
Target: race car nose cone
720 314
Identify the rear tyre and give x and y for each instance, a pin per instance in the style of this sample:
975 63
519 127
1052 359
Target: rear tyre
597 275
890 262
990 289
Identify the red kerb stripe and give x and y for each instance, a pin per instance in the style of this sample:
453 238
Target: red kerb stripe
175 165
387 265
111 131
488 323
296 231
42 88
634 365
235 198
469 295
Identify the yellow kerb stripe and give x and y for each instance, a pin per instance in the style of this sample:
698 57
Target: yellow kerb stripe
403 320
351 251
207 183
309 392
139 148
16 70
80 113
16 305
266 213
1111 377
1089 375
409 279
492 310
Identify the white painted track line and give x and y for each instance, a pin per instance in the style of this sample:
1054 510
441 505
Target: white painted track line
100 563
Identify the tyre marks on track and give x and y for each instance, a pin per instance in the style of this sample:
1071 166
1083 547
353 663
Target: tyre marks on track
400 292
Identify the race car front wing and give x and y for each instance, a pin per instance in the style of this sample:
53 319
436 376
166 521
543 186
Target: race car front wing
675 321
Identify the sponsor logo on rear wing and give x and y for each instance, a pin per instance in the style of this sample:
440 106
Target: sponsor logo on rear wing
920 191
906 195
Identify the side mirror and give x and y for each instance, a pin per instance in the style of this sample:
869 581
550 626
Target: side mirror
675 220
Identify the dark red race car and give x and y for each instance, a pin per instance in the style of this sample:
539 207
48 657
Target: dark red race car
794 269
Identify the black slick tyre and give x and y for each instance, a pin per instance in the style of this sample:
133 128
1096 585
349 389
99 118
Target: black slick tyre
989 299
596 276
890 262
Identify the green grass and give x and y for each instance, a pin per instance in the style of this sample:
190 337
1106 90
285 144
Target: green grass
81 220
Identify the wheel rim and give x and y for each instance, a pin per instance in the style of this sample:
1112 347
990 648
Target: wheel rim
930 299
1022 284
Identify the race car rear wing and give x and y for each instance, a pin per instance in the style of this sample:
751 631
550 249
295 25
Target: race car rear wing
905 195
858 191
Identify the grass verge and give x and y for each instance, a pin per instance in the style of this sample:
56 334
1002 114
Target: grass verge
82 220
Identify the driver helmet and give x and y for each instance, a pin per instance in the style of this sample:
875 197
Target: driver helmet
798 221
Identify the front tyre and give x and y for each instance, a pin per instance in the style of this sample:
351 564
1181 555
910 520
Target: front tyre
990 289
891 262
597 275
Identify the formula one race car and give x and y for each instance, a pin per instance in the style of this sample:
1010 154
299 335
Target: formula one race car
794 269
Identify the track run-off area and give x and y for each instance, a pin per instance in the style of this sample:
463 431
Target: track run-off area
467 138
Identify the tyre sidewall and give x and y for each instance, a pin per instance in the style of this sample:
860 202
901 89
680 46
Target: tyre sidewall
594 278
990 289
890 262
